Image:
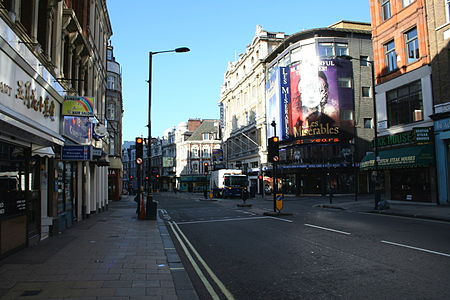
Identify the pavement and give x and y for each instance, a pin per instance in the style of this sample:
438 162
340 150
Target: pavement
114 256
109 256
366 204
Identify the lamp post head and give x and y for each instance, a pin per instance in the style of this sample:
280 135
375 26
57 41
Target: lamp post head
182 49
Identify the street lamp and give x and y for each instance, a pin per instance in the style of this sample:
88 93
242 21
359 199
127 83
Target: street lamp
377 195
149 142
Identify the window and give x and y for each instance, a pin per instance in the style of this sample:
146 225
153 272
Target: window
407 2
111 83
447 8
206 152
111 112
404 104
326 50
390 56
195 152
412 45
205 135
341 49
345 82
346 115
364 61
367 122
366 91
385 9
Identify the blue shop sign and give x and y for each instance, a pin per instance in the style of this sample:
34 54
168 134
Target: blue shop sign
442 125
77 152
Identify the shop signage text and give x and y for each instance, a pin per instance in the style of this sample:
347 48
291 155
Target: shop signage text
30 98
420 135
78 153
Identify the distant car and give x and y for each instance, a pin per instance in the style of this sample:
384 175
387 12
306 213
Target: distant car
267 189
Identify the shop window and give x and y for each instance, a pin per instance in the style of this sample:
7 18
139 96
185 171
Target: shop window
412 45
390 56
405 104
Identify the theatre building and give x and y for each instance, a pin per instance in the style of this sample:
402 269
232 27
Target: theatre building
319 103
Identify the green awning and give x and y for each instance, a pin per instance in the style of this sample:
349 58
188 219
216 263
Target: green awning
407 157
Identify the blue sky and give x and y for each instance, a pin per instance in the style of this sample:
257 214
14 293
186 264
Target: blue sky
187 85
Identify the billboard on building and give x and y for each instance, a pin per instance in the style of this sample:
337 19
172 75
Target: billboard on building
78 129
317 102
278 99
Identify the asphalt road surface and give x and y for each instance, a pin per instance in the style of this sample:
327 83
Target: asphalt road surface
316 253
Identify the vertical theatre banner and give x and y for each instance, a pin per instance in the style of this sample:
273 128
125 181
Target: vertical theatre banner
278 102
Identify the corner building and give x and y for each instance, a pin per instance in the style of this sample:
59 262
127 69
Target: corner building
404 101
319 96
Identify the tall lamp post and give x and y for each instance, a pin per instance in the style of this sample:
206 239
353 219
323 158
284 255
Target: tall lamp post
377 195
149 142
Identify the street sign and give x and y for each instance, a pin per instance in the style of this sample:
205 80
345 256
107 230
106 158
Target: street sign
139 161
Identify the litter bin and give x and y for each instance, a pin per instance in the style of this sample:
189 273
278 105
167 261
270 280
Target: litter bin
150 208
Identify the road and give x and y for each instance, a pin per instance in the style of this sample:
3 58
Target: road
316 253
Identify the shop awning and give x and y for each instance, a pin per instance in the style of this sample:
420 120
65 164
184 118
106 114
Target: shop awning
115 163
42 151
407 157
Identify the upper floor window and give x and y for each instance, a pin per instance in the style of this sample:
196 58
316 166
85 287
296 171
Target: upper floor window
205 135
386 9
111 112
390 56
407 2
447 8
111 83
412 45
364 60
206 152
194 152
109 55
341 49
404 104
326 50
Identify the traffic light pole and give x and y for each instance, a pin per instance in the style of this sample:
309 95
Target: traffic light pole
274 167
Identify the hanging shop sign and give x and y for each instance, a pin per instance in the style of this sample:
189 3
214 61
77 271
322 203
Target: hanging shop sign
78 106
77 153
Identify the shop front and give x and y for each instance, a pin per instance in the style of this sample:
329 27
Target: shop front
409 170
115 179
29 134
193 183
442 145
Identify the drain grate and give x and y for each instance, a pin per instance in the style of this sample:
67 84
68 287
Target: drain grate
31 293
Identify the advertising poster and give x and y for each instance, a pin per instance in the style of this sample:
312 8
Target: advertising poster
316 98
78 106
78 129
278 102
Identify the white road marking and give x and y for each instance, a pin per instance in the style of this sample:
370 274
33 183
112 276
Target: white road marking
234 219
219 283
194 265
329 229
416 248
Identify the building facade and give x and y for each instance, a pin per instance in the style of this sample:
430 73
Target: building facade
438 21
242 104
52 169
404 99
114 113
319 102
194 149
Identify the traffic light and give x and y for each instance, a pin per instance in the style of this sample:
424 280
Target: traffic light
139 150
205 167
273 149
260 177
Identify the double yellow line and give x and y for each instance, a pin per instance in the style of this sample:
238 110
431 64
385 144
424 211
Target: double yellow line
188 249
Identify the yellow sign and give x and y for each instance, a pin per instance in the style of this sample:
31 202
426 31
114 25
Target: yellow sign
78 106
279 201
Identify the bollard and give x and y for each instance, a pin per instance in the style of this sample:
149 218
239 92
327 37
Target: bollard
151 208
